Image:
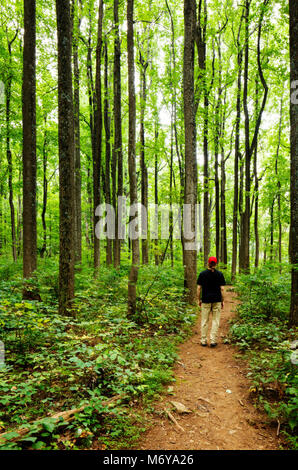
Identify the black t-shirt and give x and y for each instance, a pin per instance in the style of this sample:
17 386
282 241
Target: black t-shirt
211 282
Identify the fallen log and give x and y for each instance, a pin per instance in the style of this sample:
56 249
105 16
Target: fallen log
67 416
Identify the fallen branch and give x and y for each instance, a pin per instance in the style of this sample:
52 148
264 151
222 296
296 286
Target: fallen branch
205 399
278 427
173 420
67 416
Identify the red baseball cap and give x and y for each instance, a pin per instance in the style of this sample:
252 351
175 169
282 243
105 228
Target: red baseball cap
212 259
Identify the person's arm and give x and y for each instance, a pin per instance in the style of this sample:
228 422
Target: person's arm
199 295
222 284
222 296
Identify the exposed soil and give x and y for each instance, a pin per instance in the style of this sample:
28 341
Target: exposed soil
212 384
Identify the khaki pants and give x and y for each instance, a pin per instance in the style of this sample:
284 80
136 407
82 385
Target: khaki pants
205 312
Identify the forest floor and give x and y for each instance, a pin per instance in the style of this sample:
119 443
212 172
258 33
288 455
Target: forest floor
213 386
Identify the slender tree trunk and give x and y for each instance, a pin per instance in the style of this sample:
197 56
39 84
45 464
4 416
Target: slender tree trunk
117 125
66 157
246 215
223 221
144 171
133 275
76 94
171 188
190 196
250 147
279 184
272 229
97 134
206 207
236 159
156 192
202 49
293 319
108 147
256 226
91 101
19 218
178 153
8 151
45 190
216 176
256 229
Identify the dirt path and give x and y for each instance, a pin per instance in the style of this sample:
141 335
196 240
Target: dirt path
210 383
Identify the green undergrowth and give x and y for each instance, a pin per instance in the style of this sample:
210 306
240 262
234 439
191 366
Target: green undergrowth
261 332
55 363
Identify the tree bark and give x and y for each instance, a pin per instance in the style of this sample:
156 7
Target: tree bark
66 158
256 226
97 134
133 275
144 171
107 126
293 319
190 195
76 95
117 126
236 158
8 150
250 146
245 225
156 191
45 190
279 184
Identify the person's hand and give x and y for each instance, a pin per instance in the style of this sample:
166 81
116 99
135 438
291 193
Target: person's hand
222 304
199 303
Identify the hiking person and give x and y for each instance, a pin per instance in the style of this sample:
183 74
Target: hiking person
211 283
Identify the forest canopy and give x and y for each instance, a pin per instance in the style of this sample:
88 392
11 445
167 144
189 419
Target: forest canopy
138 138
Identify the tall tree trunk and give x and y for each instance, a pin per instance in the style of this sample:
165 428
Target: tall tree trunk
190 195
206 198
272 228
45 190
256 226
236 158
107 125
97 133
133 275
250 146
8 150
293 319
171 188
216 176
117 126
91 102
144 172
245 225
223 221
76 95
66 157
19 218
156 191
178 153
279 184
256 229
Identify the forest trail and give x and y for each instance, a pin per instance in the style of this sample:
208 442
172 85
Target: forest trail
213 386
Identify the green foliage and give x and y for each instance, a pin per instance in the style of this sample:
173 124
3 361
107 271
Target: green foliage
261 332
55 363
